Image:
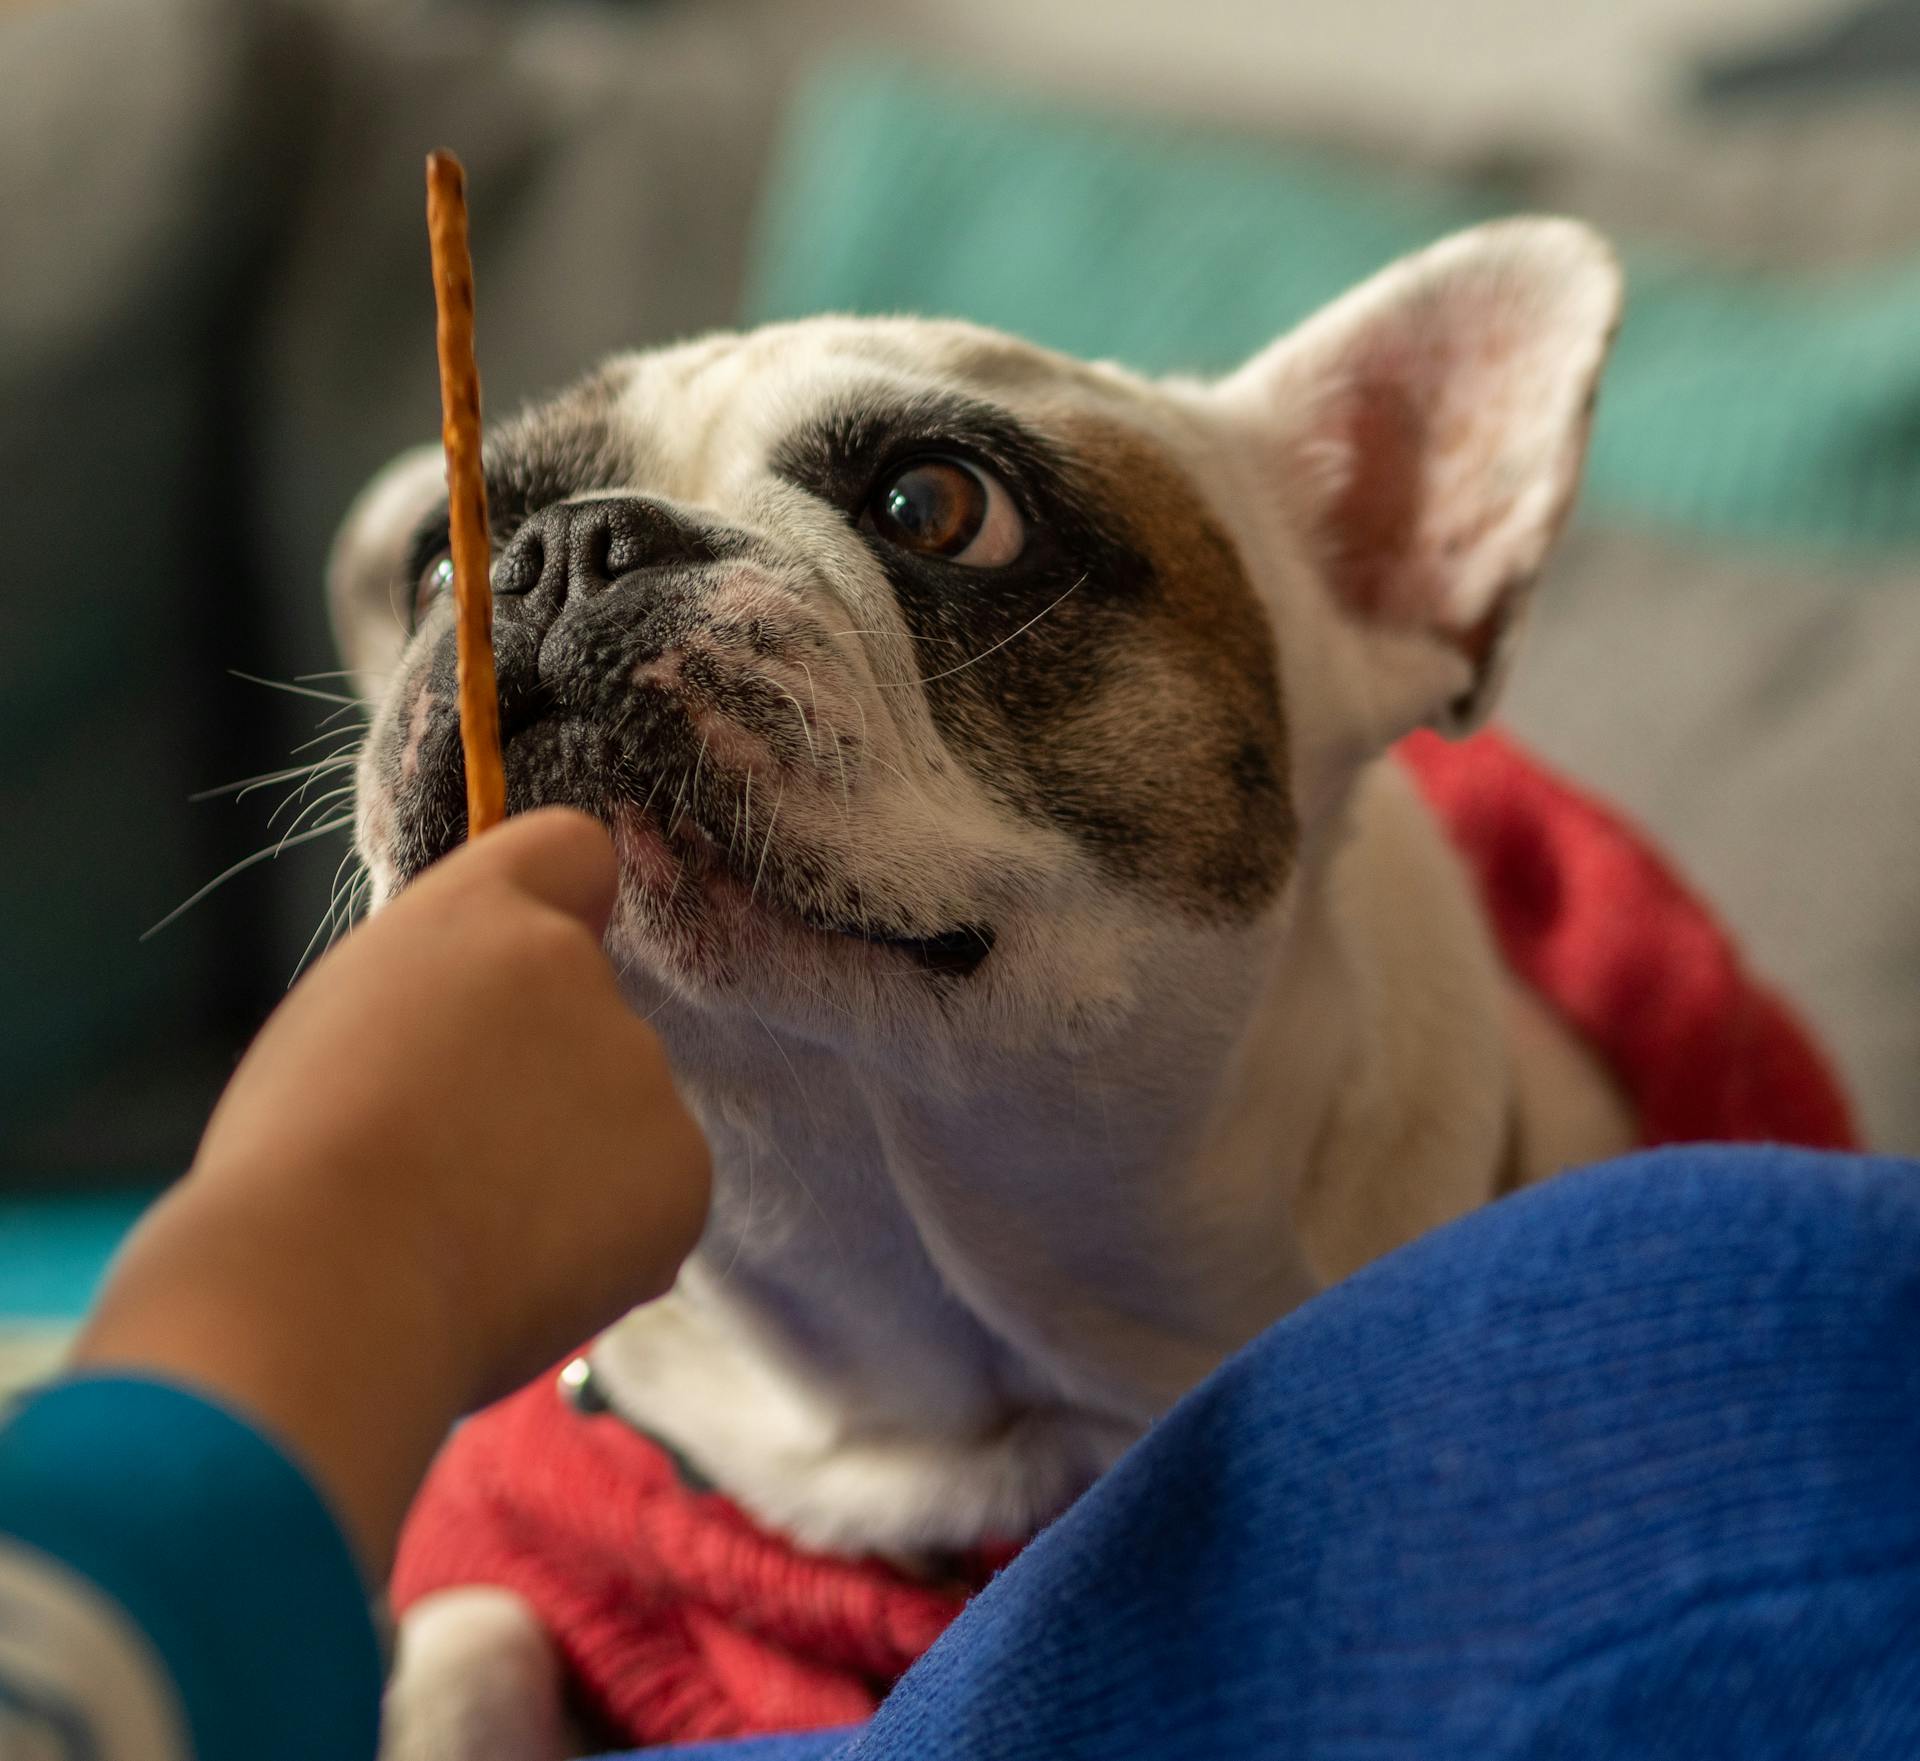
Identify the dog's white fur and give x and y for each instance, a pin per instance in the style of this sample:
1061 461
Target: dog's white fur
1019 1224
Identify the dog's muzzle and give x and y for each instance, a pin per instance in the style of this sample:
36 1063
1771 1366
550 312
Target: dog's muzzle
648 663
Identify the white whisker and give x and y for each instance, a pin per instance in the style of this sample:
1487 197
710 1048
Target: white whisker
335 919
351 743
246 785
772 819
333 715
930 678
297 690
806 732
839 754
299 795
246 862
317 805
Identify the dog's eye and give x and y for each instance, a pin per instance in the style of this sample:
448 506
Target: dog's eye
435 579
948 508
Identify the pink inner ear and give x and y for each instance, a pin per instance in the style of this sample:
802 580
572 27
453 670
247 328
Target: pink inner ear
1440 433
1372 521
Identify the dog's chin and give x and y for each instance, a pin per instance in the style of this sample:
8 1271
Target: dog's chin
711 910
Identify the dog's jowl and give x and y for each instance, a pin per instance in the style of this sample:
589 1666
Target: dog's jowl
997 751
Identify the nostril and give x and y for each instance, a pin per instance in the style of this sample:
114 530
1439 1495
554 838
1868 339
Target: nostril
596 552
630 542
518 568
584 547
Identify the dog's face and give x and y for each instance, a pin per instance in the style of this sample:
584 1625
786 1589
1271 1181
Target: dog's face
932 684
887 650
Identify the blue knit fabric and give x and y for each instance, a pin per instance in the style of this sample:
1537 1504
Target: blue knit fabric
1627 1466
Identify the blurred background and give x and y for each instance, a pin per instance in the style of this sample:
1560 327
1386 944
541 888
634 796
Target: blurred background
216 322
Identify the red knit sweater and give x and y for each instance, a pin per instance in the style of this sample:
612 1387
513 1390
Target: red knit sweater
680 1619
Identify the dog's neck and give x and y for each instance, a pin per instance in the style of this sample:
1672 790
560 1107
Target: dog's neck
927 1312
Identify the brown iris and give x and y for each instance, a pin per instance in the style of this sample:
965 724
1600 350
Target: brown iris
936 506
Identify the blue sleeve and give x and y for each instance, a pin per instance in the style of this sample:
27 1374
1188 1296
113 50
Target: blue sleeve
217 1550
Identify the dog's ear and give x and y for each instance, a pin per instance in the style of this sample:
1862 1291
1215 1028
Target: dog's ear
368 595
1431 425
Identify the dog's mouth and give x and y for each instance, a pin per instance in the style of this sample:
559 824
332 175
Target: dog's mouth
955 952
693 840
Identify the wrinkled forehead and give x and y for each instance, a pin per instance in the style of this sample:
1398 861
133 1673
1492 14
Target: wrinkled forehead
705 420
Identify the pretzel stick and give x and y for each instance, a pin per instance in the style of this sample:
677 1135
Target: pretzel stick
466 492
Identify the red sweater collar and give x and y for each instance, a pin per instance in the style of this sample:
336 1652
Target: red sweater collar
681 1620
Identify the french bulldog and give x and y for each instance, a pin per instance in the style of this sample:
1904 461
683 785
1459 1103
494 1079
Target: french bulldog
994 745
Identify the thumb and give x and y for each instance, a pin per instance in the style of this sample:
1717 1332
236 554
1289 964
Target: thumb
557 855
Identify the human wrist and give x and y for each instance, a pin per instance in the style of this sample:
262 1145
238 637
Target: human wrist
308 1322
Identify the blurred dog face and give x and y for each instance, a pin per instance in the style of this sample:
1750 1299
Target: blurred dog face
931 683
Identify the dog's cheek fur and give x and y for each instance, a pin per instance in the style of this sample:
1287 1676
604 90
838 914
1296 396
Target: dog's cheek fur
1201 756
1141 710
383 834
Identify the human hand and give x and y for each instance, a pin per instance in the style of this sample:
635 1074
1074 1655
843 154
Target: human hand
451 1154
464 1080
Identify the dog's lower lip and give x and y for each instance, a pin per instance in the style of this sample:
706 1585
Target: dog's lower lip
955 953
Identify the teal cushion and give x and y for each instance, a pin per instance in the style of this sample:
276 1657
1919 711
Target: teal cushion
53 1250
1768 409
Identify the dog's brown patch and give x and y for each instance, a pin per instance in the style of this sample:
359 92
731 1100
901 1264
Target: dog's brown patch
1189 740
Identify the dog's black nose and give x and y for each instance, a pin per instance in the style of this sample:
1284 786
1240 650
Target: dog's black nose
575 549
